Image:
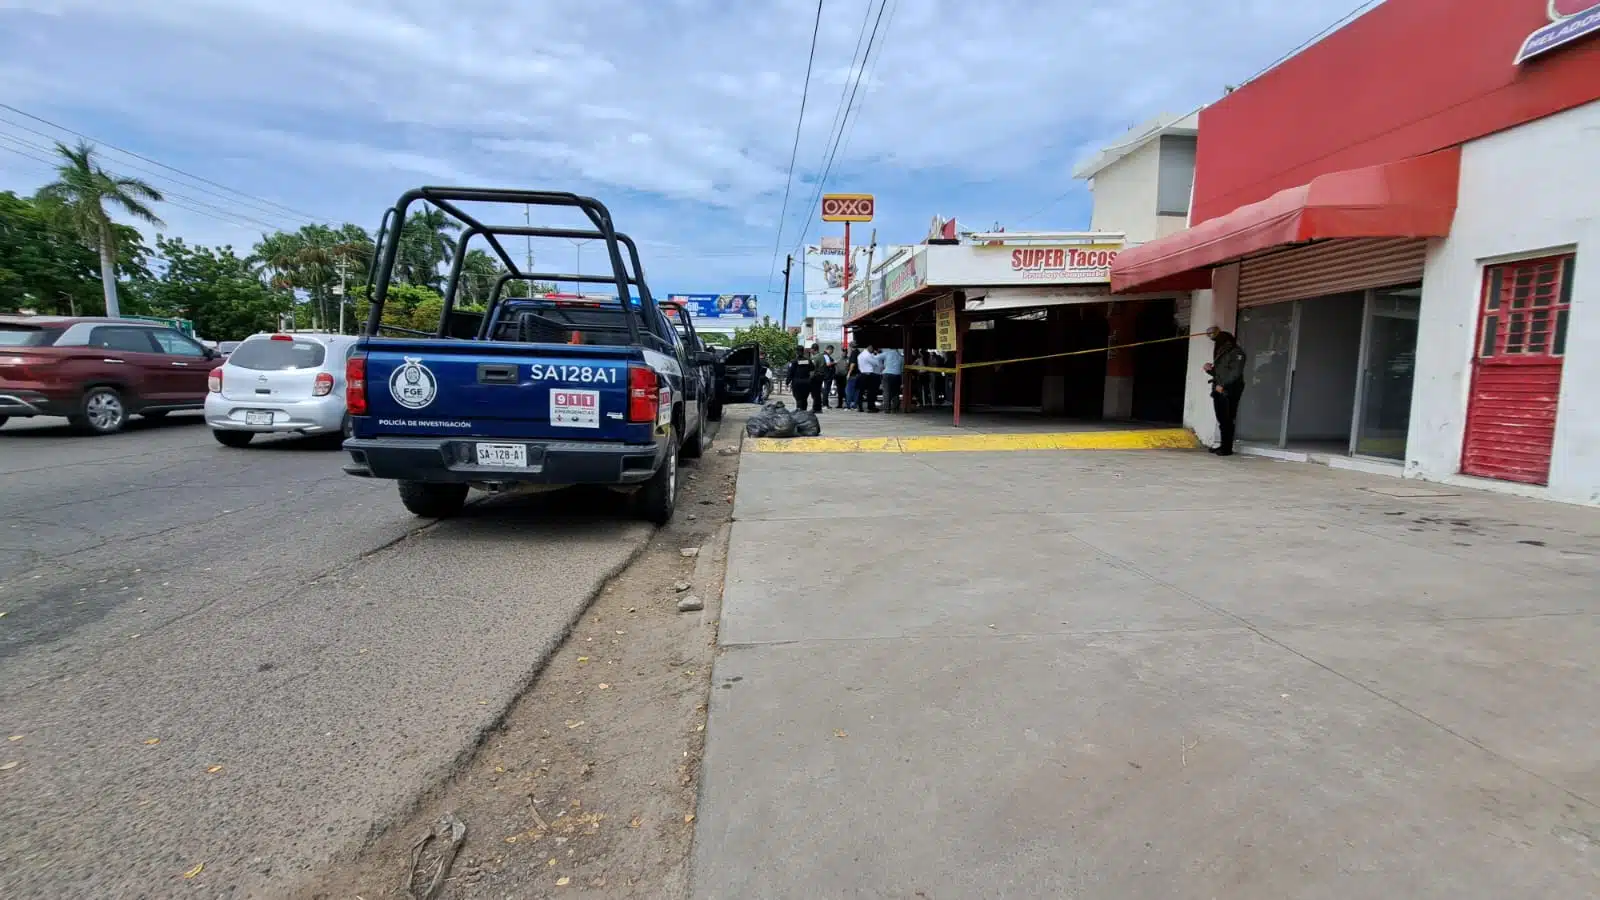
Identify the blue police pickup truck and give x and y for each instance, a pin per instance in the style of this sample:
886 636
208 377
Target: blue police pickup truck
538 391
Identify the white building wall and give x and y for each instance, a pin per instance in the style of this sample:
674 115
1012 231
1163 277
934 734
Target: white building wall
1125 195
1525 192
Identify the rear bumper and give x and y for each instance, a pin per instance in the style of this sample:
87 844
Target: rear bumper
454 460
318 415
21 404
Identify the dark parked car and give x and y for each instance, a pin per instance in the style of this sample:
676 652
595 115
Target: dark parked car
97 372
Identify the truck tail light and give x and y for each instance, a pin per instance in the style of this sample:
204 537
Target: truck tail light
214 381
323 386
644 394
355 384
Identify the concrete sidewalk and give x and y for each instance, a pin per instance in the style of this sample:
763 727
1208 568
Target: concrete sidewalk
1155 674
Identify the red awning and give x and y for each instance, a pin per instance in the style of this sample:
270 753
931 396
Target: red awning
1414 197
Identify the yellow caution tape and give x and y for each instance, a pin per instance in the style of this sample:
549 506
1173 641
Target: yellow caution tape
1023 359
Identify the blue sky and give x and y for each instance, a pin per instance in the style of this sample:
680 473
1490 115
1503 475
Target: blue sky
680 114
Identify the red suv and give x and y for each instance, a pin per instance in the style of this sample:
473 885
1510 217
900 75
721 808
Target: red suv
97 372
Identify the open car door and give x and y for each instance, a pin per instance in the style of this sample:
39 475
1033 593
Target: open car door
741 375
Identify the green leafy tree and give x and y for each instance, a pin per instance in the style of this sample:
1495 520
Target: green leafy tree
79 197
310 260
426 242
216 288
46 267
778 344
406 306
479 274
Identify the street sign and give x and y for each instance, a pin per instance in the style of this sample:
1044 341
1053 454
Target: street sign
847 207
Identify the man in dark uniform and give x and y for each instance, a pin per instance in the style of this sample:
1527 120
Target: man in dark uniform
827 367
803 382
1227 386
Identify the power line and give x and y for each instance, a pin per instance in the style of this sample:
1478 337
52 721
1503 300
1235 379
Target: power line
51 165
155 162
1358 10
1347 17
856 64
833 151
893 8
794 152
232 217
254 208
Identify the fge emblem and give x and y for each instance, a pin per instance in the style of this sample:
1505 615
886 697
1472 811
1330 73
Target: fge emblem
413 385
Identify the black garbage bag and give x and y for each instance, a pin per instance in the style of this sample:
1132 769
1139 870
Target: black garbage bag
806 424
774 406
759 425
782 423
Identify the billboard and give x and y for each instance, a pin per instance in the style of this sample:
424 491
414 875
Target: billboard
736 307
824 279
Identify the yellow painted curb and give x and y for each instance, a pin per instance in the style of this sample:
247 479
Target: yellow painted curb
1147 439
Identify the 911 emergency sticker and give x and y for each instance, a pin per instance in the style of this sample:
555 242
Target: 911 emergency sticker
578 374
575 409
413 385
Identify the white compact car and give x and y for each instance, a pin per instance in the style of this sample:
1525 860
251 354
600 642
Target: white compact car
280 384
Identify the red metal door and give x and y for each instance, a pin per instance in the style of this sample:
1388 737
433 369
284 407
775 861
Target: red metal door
1516 376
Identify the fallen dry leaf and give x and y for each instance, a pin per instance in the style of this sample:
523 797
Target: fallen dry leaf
840 733
583 659
551 862
563 881
635 823
604 686
15 737
153 741
512 839
213 770
198 868
688 817
574 724
6 767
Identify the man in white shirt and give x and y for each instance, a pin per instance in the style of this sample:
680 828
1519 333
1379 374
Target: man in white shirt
870 365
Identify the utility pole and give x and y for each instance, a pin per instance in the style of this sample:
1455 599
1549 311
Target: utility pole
527 217
787 265
872 249
344 268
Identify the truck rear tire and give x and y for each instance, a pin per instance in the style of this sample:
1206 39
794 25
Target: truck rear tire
433 501
659 496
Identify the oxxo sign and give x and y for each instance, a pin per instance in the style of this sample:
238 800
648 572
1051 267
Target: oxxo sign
847 207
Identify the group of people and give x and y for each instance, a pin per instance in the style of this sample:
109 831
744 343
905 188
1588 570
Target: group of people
855 380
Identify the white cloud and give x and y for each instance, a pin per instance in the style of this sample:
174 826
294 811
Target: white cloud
682 114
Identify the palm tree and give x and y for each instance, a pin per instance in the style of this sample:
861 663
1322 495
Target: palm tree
80 194
425 243
309 260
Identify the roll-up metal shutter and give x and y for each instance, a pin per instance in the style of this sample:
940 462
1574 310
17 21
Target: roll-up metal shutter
1330 267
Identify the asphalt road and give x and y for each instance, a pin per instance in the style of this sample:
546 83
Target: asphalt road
245 660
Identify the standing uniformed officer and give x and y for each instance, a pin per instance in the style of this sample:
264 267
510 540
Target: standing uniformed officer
1227 386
